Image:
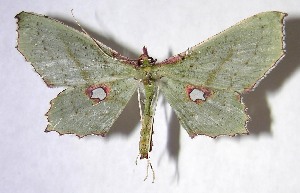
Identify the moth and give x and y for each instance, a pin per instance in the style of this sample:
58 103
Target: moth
203 85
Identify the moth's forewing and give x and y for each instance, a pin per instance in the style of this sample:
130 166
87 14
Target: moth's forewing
234 59
64 56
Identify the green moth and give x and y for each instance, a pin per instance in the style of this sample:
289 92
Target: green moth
203 84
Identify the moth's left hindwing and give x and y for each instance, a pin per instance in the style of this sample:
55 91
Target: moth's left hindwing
221 113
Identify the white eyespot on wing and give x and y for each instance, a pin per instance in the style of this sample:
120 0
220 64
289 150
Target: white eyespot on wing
99 93
197 94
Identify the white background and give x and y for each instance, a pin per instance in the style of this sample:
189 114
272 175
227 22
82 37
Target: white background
267 160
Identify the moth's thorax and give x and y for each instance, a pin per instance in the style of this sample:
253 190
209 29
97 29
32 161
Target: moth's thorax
146 72
145 60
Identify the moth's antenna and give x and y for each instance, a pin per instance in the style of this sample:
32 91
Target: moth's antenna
89 35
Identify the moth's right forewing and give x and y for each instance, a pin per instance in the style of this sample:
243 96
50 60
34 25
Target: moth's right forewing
64 56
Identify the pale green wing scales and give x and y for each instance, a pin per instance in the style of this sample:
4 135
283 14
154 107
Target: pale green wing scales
64 56
221 113
235 59
220 69
99 81
73 111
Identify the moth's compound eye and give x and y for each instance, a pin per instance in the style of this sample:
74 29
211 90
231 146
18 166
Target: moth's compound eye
97 93
140 62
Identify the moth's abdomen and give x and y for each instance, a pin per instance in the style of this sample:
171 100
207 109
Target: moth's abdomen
151 93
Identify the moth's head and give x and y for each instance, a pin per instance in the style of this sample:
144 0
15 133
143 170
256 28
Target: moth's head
145 60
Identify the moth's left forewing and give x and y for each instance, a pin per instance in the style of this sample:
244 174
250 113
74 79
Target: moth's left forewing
234 59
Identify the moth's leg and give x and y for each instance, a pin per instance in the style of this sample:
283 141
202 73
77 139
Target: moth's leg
140 103
136 160
153 173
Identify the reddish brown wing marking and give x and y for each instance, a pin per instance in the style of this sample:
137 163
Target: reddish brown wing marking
89 92
206 93
173 59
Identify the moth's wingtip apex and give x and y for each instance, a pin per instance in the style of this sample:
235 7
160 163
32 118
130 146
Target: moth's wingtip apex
46 131
19 14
